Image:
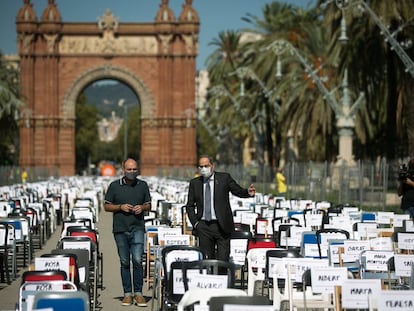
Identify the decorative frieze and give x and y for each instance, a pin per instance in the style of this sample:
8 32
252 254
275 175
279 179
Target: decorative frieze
108 44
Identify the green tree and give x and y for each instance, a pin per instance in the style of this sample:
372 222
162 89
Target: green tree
225 115
133 135
86 133
10 105
376 68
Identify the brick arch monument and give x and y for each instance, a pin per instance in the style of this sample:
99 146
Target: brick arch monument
156 60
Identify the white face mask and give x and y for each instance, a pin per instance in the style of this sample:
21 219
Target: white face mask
205 171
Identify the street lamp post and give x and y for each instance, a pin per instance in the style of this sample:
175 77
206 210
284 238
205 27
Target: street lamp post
121 103
344 112
389 37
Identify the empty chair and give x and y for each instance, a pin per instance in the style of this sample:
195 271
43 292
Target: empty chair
324 235
202 297
62 301
217 302
201 268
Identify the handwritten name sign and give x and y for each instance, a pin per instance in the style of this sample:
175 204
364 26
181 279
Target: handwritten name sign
198 280
355 292
325 279
406 241
390 300
403 264
353 248
377 260
238 250
52 264
183 239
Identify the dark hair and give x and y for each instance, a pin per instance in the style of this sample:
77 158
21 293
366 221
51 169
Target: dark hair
210 159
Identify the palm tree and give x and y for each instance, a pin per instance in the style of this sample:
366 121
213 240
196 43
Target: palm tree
375 68
224 117
304 110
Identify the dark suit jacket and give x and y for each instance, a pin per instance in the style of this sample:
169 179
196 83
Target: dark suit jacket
223 185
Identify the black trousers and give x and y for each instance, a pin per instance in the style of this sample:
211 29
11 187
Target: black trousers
213 241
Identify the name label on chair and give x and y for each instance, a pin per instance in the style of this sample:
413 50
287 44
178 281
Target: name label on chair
325 279
384 218
406 241
230 307
52 263
297 266
403 264
198 280
390 300
353 248
206 281
377 261
355 293
176 239
238 250
398 220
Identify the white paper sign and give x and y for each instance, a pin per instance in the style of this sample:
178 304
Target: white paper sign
409 226
355 292
52 264
384 217
377 260
399 219
229 307
405 241
238 250
163 231
403 264
325 279
183 239
181 255
391 300
353 249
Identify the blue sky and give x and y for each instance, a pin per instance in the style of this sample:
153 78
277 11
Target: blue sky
215 16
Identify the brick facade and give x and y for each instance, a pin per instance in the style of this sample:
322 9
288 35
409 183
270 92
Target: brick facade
156 60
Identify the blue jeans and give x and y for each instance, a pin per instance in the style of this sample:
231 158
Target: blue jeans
410 211
131 246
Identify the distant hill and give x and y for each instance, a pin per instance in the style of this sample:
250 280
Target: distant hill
105 95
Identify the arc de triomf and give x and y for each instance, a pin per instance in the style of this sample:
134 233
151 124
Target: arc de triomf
156 60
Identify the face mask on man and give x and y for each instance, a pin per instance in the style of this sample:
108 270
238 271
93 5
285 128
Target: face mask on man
205 171
131 175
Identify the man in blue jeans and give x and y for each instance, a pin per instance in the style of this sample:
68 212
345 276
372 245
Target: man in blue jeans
127 198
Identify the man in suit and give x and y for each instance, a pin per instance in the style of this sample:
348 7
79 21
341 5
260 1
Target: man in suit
208 208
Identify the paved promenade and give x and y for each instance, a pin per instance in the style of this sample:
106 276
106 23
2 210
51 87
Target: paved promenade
111 296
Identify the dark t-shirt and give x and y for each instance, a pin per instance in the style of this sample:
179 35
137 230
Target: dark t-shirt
407 200
121 193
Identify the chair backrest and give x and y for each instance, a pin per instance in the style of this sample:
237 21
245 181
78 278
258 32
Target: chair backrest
273 257
82 260
261 243
238 246
42 275
60 301
79 242
176 253
374 264
73 265
200 269
28 290
217 303
83 231
309 245
324 235
172 253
